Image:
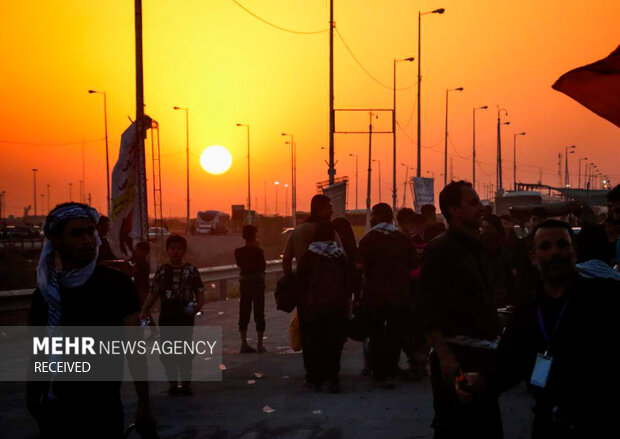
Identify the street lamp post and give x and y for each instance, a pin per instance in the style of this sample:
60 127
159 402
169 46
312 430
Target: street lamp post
379 161
405 183
48 198
514 158
293 178
445 150
473 166
500 186
420 14
34 175
285 200
186 161
70 191
356 179
579 174
107 156
369 182
394 190
566 153
248 218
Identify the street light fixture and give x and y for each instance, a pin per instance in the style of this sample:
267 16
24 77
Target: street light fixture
276 184
394 190
473 166
186 161
445 158
500 186
248 218
293 177
356 179
514 158
579 174
420 14
566 153
107 155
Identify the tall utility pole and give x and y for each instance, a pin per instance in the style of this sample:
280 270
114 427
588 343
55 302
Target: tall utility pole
293 177
265 194
445 150
2 212
473 164
34 175
356 180
405 184
566 153
369 183
420 13
140 124
579 174
331 172
500 186
514 158
48 199
186 163
107 155
559 169
248 219
394 190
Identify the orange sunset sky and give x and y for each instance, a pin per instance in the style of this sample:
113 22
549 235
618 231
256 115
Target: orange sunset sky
228 67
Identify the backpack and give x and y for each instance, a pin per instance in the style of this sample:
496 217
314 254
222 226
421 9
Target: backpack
287 293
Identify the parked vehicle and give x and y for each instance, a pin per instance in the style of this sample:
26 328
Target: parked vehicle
154 232
212 222
21 232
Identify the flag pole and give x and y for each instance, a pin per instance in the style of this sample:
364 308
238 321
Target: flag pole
140 125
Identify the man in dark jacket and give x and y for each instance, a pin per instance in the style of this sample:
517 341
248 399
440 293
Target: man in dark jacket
548 342
459 316
326 299
386 257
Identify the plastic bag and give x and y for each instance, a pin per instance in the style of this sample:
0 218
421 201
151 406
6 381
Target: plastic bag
295 333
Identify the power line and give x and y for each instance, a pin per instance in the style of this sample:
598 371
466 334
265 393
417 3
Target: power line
275 25
364 68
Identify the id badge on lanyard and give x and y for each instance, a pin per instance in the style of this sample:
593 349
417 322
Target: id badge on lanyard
542 367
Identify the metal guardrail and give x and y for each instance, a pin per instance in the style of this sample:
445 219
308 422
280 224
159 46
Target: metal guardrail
209 274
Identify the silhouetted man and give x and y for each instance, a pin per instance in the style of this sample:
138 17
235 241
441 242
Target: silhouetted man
386 256
105 250
73 291
459 316
560 343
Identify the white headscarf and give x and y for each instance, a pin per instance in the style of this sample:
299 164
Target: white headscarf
385 228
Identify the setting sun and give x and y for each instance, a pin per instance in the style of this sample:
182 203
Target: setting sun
215 160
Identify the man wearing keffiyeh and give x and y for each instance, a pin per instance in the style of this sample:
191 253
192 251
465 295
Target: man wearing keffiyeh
73 291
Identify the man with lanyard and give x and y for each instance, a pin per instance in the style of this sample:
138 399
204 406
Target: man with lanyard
386 256
73 291
458 316
549 341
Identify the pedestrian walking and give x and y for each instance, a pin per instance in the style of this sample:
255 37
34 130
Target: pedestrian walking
251 260
178 286
459 316
386 258
324 278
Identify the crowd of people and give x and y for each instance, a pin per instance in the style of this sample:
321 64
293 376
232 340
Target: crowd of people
426 288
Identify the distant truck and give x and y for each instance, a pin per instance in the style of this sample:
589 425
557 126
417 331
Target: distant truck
212 222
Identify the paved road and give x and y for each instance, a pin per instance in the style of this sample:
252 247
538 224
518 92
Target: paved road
233 408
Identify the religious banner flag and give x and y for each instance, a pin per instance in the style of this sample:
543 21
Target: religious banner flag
125 198
596 86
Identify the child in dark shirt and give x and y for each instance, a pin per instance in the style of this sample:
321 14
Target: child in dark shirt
251 260
180 289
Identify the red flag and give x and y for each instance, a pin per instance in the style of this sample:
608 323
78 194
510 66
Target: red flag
596 86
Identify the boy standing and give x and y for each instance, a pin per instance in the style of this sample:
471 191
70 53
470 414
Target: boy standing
251 259
180 289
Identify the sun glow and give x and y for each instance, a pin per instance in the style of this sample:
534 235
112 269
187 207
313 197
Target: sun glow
216 160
